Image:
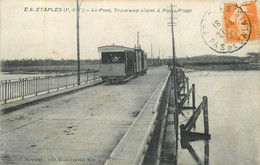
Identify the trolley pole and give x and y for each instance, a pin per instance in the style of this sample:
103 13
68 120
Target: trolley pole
78 49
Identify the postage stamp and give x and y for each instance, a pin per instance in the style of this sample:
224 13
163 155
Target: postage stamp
214 33
235 23
229 28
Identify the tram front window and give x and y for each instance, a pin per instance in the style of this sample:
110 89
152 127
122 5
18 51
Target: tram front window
115 57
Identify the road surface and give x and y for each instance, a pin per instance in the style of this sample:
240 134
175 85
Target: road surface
80 128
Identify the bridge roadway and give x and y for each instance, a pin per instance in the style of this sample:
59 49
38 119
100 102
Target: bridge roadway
80 128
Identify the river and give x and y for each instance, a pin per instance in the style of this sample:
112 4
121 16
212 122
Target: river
234 118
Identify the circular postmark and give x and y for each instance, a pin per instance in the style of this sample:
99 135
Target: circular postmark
225 30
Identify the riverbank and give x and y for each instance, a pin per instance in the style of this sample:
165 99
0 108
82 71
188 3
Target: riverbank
47 69
215 67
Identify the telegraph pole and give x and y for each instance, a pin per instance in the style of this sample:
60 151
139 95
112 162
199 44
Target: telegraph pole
163 57
176 115
174 59
78 50
159 60
137 39
173 48
151 54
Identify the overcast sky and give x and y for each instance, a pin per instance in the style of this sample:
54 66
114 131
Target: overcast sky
46 34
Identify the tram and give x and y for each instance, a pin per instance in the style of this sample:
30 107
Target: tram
119 63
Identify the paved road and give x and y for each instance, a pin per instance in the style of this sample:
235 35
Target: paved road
81 128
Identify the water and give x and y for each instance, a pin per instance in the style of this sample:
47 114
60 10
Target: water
234 118
8 76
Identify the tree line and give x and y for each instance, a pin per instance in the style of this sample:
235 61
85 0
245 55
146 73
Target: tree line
44 62
252 57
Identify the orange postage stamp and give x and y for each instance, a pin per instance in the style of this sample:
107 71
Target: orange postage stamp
241 20
229 27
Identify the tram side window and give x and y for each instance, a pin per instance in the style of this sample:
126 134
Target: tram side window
113 57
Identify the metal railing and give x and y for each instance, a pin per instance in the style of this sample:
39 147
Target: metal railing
19 88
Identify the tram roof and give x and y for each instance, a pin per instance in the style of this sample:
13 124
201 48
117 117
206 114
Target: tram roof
114 48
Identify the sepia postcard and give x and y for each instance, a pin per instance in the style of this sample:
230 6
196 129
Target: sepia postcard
121 82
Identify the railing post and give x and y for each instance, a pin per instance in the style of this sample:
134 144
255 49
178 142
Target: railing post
5 87
36 86
7 93
72 74
93 76
66 81
187 79
23 88
205 115
193 102
206 152
48 83
10 89
26 87
193 96
20 87
58 83
184 83
87 75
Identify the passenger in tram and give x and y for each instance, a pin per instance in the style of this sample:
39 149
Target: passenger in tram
115 59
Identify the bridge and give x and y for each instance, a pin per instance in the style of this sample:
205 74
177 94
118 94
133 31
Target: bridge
135 122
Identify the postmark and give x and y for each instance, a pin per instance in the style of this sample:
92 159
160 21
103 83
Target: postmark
214 25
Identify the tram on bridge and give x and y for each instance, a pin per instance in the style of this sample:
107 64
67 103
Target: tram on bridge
120 63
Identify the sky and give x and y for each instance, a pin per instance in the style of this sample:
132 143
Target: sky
42 33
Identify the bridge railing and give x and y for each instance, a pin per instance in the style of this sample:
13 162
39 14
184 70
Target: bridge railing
19 88
186 134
